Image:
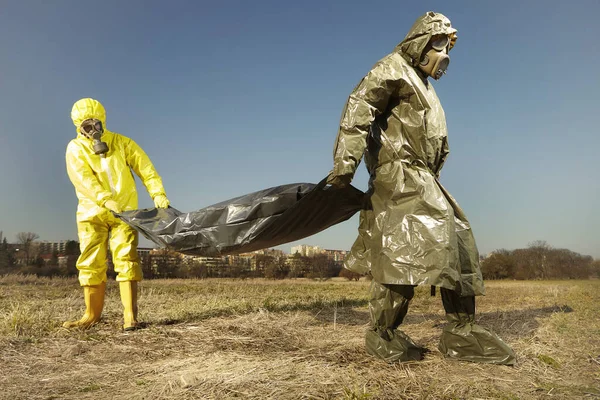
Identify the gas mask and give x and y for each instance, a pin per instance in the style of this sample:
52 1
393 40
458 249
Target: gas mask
435 60
92 129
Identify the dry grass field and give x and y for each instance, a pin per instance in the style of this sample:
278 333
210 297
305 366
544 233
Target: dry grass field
292 339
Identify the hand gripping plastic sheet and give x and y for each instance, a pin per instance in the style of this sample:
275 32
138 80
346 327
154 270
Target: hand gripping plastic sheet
255 221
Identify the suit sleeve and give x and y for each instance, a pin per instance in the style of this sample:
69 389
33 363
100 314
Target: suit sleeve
368 100
142 166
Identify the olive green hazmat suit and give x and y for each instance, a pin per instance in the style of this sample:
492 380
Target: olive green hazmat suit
415 232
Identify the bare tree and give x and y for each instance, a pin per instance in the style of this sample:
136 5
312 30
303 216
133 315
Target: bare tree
595 269
321 268
6 258
298 266
565 263
539 251
498 265
72 248
26 240
263 262
276 269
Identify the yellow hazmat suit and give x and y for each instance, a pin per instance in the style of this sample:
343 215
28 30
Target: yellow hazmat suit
105 183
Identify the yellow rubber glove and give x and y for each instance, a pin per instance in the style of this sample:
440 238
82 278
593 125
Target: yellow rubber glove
112 206
161 201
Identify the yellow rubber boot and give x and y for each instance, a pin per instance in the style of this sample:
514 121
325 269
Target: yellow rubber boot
128 291
94 302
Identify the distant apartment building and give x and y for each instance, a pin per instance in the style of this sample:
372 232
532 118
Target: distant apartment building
336 255
144 252
164 256
242 259
68 262
299 266
210 261
306 250
311 251
251 259
269 252
47 247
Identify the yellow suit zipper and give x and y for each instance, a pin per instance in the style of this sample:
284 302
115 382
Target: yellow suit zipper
106 169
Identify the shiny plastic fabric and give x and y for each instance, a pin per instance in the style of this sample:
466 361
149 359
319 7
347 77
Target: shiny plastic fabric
98 179
255 221
388 306
96 234
462 339
416 232
395 347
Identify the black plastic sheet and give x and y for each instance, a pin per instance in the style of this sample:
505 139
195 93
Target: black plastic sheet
255 221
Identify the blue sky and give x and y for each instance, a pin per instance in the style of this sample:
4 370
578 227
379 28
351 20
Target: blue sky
230 97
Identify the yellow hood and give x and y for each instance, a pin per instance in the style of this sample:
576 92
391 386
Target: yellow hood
85 109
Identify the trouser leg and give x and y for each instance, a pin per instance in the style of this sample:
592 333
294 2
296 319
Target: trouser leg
93 237
92 262
462 308
123 244
388 306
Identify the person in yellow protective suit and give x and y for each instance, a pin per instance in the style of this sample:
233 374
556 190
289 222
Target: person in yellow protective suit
99 164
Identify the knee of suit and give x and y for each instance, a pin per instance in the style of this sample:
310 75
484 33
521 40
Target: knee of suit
128 271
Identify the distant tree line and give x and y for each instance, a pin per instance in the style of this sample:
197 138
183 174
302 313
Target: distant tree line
166 264
25 257
539 261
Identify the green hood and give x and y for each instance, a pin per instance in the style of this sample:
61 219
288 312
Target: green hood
426 26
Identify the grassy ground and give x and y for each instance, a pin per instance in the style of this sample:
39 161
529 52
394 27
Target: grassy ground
260 339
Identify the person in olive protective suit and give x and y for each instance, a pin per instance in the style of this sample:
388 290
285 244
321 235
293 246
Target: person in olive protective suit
414 233
99 164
